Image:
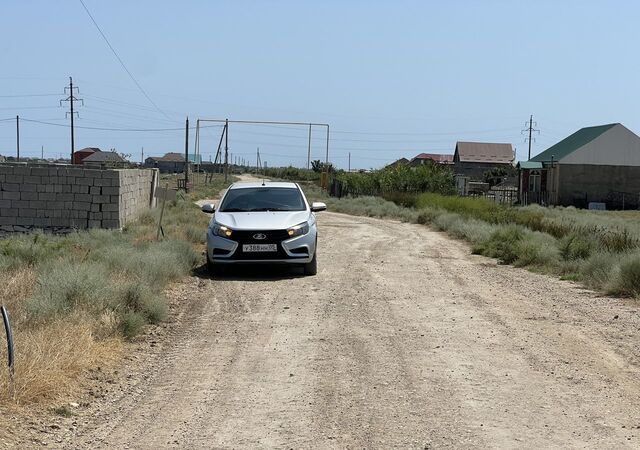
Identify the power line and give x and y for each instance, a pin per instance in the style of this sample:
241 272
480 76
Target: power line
118 129
28 95
122 63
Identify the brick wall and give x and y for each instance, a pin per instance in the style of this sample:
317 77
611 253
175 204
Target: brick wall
64 198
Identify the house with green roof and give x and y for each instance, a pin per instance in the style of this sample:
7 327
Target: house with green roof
599 164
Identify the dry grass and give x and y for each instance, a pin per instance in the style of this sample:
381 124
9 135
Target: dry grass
50 357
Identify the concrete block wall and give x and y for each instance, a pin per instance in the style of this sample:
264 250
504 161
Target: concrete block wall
66 198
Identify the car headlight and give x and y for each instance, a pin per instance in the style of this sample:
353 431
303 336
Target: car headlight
221 230
298 230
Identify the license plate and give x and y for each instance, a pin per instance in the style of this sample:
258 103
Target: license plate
260 248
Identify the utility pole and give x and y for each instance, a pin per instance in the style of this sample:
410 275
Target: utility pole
226 150
529 127
142 156
186 156
71 98
309 150
18 138
42 152
349 162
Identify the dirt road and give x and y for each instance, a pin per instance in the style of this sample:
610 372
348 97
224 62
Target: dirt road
402 340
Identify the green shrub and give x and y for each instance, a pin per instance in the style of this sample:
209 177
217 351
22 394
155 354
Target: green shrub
600 269
503 244
576 246
65 285
628 280
131 323
142 299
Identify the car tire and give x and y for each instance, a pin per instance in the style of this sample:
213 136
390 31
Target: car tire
213 269
311 268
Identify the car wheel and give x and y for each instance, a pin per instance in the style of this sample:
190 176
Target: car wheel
311 268
213 269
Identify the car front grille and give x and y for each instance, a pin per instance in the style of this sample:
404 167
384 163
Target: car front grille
271 237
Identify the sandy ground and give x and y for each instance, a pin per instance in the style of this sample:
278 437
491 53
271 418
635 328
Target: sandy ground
402 340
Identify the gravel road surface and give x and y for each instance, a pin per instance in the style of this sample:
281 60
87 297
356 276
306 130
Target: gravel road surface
402 340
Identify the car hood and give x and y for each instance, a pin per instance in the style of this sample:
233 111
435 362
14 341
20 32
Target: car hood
263 220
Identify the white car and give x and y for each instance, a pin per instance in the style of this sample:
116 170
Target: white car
263 223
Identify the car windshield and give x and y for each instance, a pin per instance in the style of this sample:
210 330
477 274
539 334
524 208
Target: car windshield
263 199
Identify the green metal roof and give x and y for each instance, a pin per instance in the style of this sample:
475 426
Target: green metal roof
530 165
572 143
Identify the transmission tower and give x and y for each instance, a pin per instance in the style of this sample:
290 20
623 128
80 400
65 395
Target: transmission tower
529 128
69 91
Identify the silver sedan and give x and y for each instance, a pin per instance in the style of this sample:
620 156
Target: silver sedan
263 223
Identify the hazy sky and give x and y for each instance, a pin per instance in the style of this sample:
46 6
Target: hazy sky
392 78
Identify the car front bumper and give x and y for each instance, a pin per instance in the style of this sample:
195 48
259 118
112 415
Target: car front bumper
297 250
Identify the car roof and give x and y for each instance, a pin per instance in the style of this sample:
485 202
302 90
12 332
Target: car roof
265 184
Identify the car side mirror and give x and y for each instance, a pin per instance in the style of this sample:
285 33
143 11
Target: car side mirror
208 208
318 206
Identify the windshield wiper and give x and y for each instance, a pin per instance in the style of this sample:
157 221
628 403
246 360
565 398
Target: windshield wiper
267 209
234 210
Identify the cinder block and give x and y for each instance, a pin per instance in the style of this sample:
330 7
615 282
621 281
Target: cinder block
7 220
95 190
102 182
81 206
53 171
11 187
50 188
110 224
28 212
78 189
95 216
20 204
101 199
14 179
6 195
57 188
95 207
22 170
28 188
6 170
5 203
110 190
60 222
9 212
38 204
94 223
64 197
83 197
111 174
67 188
32 179
28 196
86 181
110 207
25 221
41 188
40 171
56 205
48 196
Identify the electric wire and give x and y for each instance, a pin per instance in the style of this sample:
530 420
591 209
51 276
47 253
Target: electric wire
122 63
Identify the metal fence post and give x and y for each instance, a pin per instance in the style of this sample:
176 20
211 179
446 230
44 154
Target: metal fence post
10 352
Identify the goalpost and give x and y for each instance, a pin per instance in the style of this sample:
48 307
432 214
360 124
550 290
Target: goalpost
225 137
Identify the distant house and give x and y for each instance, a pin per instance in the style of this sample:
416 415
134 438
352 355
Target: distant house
99 157
429 158
398 162
599 164
80 155
474 159
170 162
